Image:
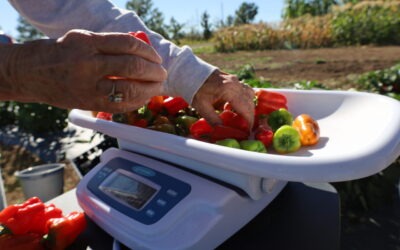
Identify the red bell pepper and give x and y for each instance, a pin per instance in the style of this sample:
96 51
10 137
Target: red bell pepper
174 104
264 135
22 219
233 120
28 241
50 212
156 104
63 231
223 132
142 36
104 115
269 101
201 130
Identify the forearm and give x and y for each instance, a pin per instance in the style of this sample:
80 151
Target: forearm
9 55
186 72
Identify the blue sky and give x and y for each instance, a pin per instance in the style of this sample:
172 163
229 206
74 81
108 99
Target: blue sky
188 12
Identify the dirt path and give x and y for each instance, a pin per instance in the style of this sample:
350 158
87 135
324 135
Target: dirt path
333 67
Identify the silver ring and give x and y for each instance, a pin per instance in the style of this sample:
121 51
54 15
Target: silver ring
115 97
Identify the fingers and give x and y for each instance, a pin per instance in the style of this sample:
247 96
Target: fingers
244 105
130 66
121 43
135 94
206 110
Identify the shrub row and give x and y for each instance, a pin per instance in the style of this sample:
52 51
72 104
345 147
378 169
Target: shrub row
369 22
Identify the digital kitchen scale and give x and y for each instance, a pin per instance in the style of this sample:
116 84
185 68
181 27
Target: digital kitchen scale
145 203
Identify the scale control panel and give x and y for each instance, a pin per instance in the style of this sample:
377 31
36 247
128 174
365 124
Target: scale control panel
137 191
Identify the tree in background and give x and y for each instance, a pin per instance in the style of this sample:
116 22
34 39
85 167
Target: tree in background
175 29
205 17
246 13
152 17
297 8
27 32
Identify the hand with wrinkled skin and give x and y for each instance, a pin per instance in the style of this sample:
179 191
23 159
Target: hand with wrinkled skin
73 71
221 87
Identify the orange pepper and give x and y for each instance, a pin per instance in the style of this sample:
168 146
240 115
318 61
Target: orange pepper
308 129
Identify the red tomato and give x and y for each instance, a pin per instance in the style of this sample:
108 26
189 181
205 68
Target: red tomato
223 132
264 135
104 116
140 123
201 130
233 120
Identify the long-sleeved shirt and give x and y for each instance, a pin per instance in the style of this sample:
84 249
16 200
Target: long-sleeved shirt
186 72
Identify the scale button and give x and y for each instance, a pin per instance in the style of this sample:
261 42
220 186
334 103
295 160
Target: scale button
172 192
161 202
143 171
150 213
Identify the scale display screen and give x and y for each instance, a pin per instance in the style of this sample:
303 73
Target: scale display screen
127 190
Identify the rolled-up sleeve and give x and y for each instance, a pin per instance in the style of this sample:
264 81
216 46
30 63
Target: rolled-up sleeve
186 72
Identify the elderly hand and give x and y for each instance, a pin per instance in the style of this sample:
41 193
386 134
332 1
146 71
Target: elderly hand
220 88
74 71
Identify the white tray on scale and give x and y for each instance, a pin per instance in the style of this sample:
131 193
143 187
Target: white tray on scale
360 136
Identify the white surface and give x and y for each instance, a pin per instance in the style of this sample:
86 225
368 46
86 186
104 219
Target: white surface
205 218
360 136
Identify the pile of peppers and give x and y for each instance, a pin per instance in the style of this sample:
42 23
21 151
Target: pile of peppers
273 127
37 226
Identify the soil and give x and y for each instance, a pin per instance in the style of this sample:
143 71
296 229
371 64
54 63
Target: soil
333 67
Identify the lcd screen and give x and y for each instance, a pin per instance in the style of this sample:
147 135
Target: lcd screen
127 190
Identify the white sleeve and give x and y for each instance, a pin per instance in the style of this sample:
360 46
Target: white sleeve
186 72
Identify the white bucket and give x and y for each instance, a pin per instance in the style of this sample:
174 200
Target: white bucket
44 181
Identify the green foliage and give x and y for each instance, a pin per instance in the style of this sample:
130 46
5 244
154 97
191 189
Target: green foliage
246 13
27 32
369 193
152 17
367 23
246 72
41 118
33 117
385 82
175 29
307 85
205 23
298 8
7 113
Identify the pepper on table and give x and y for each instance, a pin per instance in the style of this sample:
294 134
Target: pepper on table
62 232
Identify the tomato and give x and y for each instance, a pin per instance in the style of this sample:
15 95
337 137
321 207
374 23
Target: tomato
221 132
104 116
201 130
140 123
264 135
233 120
